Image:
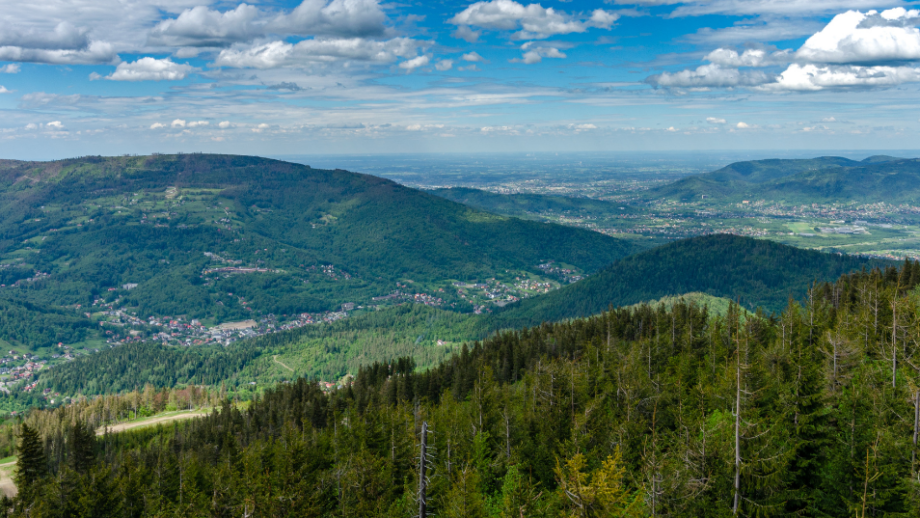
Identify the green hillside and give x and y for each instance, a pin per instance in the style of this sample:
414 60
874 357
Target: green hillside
877 178
757 273
710 271
633 413
76 232
523 204
715 305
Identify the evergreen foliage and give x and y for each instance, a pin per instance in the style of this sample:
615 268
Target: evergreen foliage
757 273
641 411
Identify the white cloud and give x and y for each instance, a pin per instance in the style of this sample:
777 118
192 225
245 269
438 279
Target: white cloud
151 69
787 8
533 20
224 125
201 26
709 76
318 50
535 54
829 119
749 58
742 125
812 77
98 52
465 33
31 126
64 36
260 128
157 125
672 129
178 123
11 68
444 65
3 90
196 124
336 18
414 63
714 120
55 125
472 57
865 38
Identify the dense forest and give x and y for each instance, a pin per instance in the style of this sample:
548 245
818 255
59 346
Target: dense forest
641 411
756 273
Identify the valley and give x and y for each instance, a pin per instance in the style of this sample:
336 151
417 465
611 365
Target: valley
185 252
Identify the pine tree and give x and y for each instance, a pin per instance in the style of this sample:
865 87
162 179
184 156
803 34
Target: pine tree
82 447
31 465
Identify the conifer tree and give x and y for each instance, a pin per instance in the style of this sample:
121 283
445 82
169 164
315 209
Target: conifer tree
31 465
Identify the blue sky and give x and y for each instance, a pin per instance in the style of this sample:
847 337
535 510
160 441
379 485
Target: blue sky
84 77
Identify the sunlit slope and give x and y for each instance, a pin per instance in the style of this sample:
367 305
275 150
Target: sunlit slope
97 223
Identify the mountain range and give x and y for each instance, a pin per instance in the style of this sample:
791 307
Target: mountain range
876 179
221 237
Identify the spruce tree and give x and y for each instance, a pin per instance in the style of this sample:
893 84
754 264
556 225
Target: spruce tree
31 465
82 446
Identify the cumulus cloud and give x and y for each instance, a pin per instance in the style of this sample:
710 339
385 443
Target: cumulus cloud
151 69
855 49
536 53
196 124
178 123
97 52
201 26
318 50
444 65
204 27
157 125
714 120
55 125
742 125
12 68
64 36
865 38
749 58
811 77
532 21
414 63
472 57
709 76
3 90
224 125
463 32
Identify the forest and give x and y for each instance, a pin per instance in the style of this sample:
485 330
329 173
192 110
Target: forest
639 411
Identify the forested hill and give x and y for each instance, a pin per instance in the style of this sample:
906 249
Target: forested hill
757 273
523 204
78 229
877 178
636 412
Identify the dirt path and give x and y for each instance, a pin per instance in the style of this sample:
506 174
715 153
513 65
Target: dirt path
121 427
7 486
279 362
